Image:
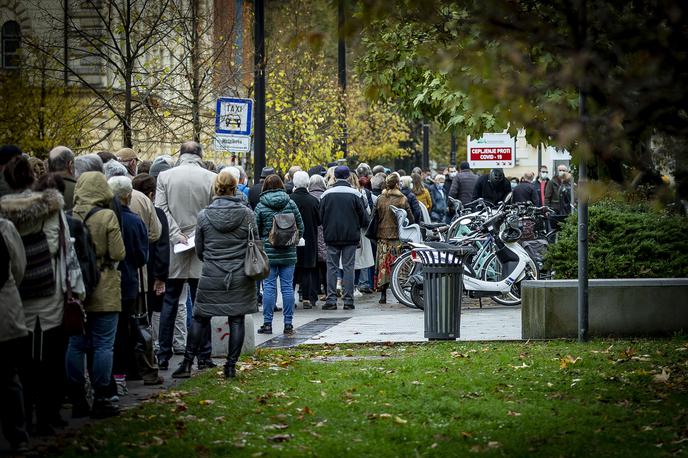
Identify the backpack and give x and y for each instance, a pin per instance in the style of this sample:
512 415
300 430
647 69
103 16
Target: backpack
39 277
85 250
284 232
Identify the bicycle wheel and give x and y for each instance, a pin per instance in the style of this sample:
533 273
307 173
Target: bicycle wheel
402 270
492 271
417 296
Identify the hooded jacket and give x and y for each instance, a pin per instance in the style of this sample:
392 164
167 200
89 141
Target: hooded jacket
343 214
221 240
272 202
491 192
31 212
91 191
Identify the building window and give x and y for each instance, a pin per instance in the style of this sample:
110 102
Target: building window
11 42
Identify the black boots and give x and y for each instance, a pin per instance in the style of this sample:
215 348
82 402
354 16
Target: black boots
265 329
77 396
184 369
383 296
230 370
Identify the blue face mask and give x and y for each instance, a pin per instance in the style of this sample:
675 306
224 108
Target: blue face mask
513 185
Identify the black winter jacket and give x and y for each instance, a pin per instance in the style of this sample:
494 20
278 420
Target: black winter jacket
494 193
343 215
525 192
254 193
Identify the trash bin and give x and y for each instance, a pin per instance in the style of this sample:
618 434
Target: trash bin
443 289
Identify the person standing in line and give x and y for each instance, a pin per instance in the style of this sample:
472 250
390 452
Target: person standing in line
439 211
449 176
92 198
492 187
388 243
406 184
182 192
61 161
224 289
316 188
307 255
274 200
257 188
421 193
463 185
525 192
540 184
343 215
13 331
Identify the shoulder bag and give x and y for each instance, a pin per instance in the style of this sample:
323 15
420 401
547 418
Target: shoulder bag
74 316
256 265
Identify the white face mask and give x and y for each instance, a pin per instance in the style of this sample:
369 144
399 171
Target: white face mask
543 175
452 174
561 173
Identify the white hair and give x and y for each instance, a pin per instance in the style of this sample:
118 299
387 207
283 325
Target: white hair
114 169
120 185
406 182
87 163
301 179
235 172
316 181
164 158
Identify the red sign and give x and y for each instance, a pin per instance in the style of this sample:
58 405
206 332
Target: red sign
491 154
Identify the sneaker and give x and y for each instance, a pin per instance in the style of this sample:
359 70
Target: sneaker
349 306
307 305
265 329
156 381
329 307
121 383
289 329
366 290
357 293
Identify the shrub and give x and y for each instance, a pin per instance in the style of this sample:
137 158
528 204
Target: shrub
625 241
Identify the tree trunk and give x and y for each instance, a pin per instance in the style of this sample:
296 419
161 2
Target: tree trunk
127 134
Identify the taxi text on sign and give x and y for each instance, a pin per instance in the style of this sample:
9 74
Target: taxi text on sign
491 151
233 116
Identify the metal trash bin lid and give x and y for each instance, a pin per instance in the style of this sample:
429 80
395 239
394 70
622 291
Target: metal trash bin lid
444 253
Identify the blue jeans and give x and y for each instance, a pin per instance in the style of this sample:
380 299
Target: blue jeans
286 277
100 339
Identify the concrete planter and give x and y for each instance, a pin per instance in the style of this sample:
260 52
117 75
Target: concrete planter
618 307
220 336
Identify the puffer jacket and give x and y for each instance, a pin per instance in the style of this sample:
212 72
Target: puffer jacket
91 191
387 227
271 203
12 319
221 240
31 212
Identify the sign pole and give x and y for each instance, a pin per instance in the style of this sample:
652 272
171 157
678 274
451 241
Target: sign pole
452 152
583 296
426 146
259 85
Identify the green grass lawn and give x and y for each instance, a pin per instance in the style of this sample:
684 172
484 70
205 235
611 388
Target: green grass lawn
560 398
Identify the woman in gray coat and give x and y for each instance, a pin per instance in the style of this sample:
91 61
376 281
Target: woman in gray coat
223 289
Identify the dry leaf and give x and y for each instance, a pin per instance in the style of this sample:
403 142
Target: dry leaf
466 435
663 377
278 426
206 402
316 381
522 366
567 360
280 438
511 413
400 421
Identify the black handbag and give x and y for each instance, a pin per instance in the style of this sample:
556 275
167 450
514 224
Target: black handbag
256 265
371 232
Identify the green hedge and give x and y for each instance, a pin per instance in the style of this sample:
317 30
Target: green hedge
625 241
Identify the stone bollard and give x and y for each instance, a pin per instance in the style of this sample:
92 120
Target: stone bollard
220 336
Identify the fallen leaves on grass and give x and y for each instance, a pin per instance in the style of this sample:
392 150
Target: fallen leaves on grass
511 413
483 448
280 437
206 402
567 361
278 427
663 377
522 366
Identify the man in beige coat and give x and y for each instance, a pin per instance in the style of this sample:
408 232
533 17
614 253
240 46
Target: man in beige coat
182 192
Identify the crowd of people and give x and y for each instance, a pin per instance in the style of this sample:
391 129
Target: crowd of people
152 250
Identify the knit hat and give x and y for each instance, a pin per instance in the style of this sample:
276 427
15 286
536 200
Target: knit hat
7 152
465 166
342 172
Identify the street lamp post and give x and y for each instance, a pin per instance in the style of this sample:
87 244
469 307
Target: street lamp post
259 87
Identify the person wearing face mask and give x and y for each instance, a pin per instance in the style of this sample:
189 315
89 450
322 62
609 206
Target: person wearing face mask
492 187
514 182
449 179
554 189
464 183
541 183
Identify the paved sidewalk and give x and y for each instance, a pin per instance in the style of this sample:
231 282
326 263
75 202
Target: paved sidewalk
373 322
